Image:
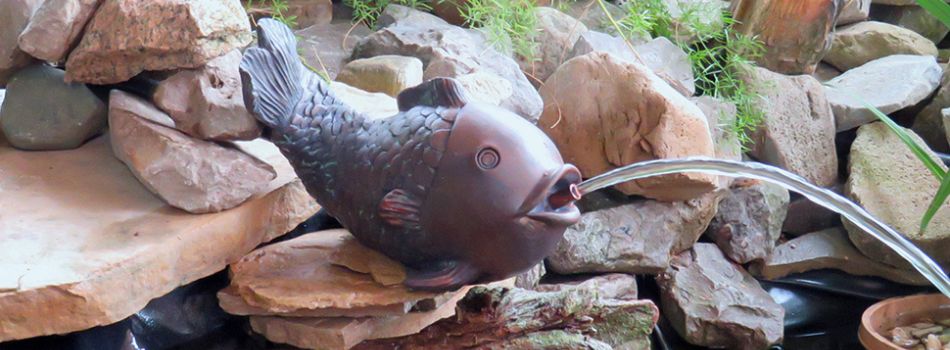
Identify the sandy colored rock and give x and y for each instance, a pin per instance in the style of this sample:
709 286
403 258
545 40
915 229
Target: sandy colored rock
863 42
328 47
556 33
233 303
914 18
929 123
56 27
207 102
749 220
715 303
721 116
828 249
45 113
853 11
374 105
389 74
193 175
300 274
486 87
102 246
637 237
450 51
876 84
798 131
603 113
616 285
14 17
530 279
126 37
897 198
666 59
795 33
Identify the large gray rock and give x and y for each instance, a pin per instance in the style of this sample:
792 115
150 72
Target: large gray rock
42 112
863 42
721 117
798 131
193 175
715 303
592 40
877 84
451 51
929 122
14 16
56 28
389 74
126 37
208 103
912 17
327 47
637 237
854 11
666 59
894 186
556 33
749 220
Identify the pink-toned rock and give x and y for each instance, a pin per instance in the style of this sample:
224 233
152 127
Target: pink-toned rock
14 16
795 33
603 113
56 27
208 103
126 37
193 175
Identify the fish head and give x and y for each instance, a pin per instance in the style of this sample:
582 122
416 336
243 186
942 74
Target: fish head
498 201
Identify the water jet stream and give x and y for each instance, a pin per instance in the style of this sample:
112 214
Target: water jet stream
826 198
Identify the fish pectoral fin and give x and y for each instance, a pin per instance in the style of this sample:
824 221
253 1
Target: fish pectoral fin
447 275
400 208
437 92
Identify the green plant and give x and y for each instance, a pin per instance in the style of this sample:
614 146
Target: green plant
368 11
508 24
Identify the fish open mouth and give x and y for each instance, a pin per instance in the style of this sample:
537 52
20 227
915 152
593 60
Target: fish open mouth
552 201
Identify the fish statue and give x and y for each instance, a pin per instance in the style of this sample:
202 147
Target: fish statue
458 191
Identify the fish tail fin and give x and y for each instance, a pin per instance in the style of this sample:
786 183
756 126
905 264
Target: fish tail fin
271 74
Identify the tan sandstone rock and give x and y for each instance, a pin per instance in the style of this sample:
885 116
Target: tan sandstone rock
85 244
55 28
207 102
603 113
194 175
864 42
389 74
126 37
795 33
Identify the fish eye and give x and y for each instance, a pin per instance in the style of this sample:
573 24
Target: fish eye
487 158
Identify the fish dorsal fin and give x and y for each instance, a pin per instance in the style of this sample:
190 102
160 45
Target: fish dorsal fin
437 92
400 208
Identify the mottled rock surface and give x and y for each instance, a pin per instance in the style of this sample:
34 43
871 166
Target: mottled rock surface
860 43
44 113
912 17
126 37
90 239
749 220
668 60
56 28
389 74
193 175
14 17
637 237
713 302
854 11
798 131
828 249
555 37
876 84
451 51
328 47
617 285
929 123
795 33
897 198
603 113
207 102
530 279
374 105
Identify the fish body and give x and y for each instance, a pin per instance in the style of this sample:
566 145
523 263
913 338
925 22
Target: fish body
458 191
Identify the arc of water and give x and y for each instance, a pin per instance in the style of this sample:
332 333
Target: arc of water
828 199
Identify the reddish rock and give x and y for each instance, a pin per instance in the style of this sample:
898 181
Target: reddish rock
798 131
193 175
795 33
715 303
603 113
14 16
126 37
749 220
207 103
56 27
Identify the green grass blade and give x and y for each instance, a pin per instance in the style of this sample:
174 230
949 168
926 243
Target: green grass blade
938 9
918 151
939 199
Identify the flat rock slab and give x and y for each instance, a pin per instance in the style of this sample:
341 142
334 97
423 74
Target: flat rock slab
85 244
828 249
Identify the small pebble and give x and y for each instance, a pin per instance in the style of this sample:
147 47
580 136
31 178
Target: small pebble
902 337
933 343
923 332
